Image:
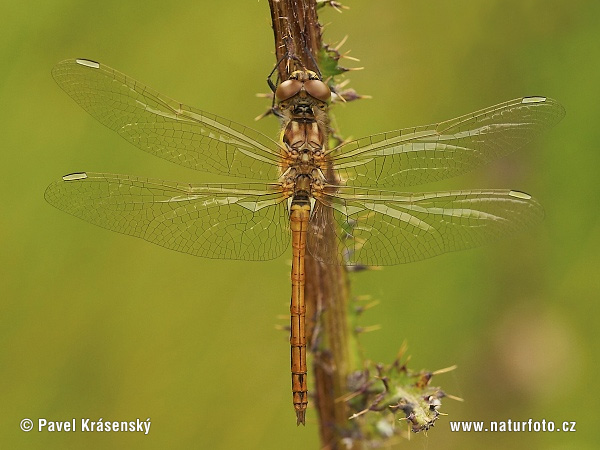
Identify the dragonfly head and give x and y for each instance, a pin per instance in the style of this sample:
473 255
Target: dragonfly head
305 83
303 97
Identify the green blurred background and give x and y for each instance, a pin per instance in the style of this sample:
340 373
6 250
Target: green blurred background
96 324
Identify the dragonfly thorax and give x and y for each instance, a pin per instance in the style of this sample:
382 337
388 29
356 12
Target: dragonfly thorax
305 137
305 144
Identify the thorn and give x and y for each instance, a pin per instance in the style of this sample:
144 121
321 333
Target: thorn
338 6
447 369
333 98
263 115
454 397
342 42
343 84
362 309
347 397
334 4
402 350
358 414
373 304
351 58
359 330
349 95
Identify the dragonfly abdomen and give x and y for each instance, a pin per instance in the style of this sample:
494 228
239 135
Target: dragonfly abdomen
299 215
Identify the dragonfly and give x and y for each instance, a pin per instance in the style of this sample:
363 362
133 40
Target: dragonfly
295 188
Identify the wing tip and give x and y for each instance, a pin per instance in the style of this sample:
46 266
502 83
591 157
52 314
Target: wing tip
75 176
62 66
558 111
519 194
88 63
534 99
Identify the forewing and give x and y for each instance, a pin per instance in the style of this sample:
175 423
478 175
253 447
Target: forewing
242 221
386 228
434 152
166 128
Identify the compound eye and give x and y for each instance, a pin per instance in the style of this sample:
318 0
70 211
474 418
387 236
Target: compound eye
288 89
317 89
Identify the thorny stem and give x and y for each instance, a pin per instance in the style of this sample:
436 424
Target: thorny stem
376 396
297 44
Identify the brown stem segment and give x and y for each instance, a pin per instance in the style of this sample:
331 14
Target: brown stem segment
297 35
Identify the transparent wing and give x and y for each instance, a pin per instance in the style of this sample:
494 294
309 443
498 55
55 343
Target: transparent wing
166 128
242 221
434 152
386 228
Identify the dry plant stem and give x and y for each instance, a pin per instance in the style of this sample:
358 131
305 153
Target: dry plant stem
297 34
327 294
297 43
